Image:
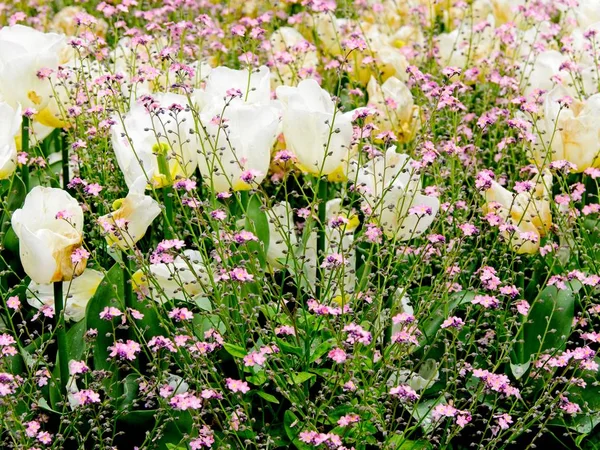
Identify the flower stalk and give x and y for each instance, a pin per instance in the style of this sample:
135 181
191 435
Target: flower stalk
163 167
25 149
61 336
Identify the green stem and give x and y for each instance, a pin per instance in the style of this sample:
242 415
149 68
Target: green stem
61 336
321 236
65 159
25 148
163 167
127 287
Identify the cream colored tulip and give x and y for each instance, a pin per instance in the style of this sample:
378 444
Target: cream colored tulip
144 138
183 279
50 228
527 213
10 125
236 144
24 52
319 135
568 133
397 111
66 21
289 41
76 294
463 47
390 187
133 215
255 86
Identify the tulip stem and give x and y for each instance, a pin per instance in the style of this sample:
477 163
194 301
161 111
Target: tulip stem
61 336
25 149
127 287
322 198
65 159
163 167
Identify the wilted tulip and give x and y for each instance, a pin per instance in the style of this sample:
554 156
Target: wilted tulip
158 133
131 218
77 293
10 124
390 187
527 215
50 231
319 135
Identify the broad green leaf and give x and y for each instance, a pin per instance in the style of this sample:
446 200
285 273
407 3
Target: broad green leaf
108 294
235 350
549 322
301 377
268 397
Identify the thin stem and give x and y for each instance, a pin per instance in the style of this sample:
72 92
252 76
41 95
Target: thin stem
163 167
127 287
321 236
61 336
25 148
64 160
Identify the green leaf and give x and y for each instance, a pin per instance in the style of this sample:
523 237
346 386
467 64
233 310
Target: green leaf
235 350
432 323
14 196
258 223
301 377
549 322
320 350
289 349
258 379
108 293
268 397
399 442
76 341
131 388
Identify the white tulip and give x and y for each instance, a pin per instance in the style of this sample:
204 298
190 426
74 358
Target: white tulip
23 53
132 217
50 228
570 133
389 185
541 72
395 103
182 279
76 294
167 130
342 280
289 42
236 144
10 125
463 46
254 85
282 235
318 134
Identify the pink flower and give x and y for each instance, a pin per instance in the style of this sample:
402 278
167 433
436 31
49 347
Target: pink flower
125 350
404 392
13 303
338 355
237 385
